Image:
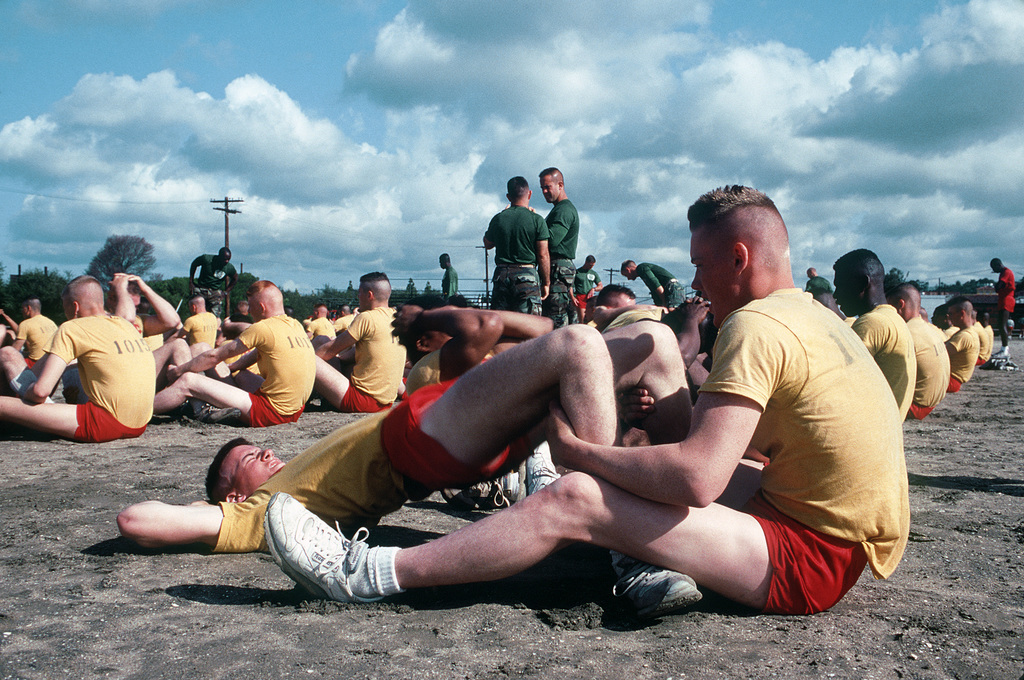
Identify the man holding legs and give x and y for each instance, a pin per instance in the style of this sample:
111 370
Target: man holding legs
789 380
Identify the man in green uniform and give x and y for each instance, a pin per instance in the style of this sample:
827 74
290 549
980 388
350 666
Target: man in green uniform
217 276
450 280
564 226
519 237
662 283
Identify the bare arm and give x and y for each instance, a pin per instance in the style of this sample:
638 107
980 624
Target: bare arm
192 275
329 350
164 317
208 359
473 333
544 266
18 344
53 369
519 327
488 244
693 472
10 322
153 524
123 305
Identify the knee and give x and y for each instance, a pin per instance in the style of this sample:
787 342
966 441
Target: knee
581 339
575 494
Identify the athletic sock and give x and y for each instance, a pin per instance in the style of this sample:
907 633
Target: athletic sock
382 579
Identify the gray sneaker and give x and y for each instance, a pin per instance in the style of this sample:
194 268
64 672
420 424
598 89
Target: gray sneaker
540 470
315 556
208 414
652 590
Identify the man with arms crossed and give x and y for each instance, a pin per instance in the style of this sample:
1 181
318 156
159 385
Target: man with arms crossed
789 379
564 230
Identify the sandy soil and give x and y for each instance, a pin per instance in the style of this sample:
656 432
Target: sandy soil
78 601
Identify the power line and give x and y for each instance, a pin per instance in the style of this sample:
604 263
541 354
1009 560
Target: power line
94 200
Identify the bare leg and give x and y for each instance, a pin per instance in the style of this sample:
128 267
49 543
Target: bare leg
58 419
204 388
646 355
330 383
722 549
174 352
510 393
11 366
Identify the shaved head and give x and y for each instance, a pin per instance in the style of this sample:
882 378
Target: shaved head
738 213
906 298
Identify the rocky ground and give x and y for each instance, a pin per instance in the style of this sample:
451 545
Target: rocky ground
78 601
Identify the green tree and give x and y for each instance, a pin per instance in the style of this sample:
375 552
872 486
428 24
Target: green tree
47 286
122 253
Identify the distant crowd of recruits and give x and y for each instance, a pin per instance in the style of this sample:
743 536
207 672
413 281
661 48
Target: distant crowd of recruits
749 464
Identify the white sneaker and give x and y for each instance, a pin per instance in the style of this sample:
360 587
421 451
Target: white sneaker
540 469
317 557
1003 353
654 591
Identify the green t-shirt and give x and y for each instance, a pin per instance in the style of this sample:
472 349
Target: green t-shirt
585 281
564 224
209 275
654 276
450 282
515 232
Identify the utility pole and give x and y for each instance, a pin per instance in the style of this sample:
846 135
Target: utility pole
487 274
227 210
611 274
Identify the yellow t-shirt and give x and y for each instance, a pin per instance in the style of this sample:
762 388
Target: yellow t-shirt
830 425
201 327
344 477
985 340
115 365
964 356
322 326
155 342
286 360
888 339
380 360
932 363
37 332
949 332
427 371
634 315
343 322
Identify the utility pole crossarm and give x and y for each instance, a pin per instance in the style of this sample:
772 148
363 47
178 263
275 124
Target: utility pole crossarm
227 210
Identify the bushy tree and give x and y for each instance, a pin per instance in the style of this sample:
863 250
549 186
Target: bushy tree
122 253
45 285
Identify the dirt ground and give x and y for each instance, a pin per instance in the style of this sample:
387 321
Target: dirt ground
78 601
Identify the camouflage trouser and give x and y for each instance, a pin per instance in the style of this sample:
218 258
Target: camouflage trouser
558 306
214 300
516 289
674 295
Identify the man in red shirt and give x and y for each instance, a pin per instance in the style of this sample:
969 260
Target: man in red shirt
1004 289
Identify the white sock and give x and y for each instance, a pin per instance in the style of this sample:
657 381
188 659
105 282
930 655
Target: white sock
382 574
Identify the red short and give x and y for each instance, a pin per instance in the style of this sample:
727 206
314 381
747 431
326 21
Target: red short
419 456
979 362
954 385
919 412
96 425
357 401
810 571
1008 303
263 414
581 300
30 362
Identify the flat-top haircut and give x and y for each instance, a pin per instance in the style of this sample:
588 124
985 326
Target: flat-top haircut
377 282
906 291
260 286
83 287
552 171
216 486
958 303
198 298
612 289
518 187
33 303
715 205
861 261
626 264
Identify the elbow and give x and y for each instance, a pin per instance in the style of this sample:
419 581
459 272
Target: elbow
131 523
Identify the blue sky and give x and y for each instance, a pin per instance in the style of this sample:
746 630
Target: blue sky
374 135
